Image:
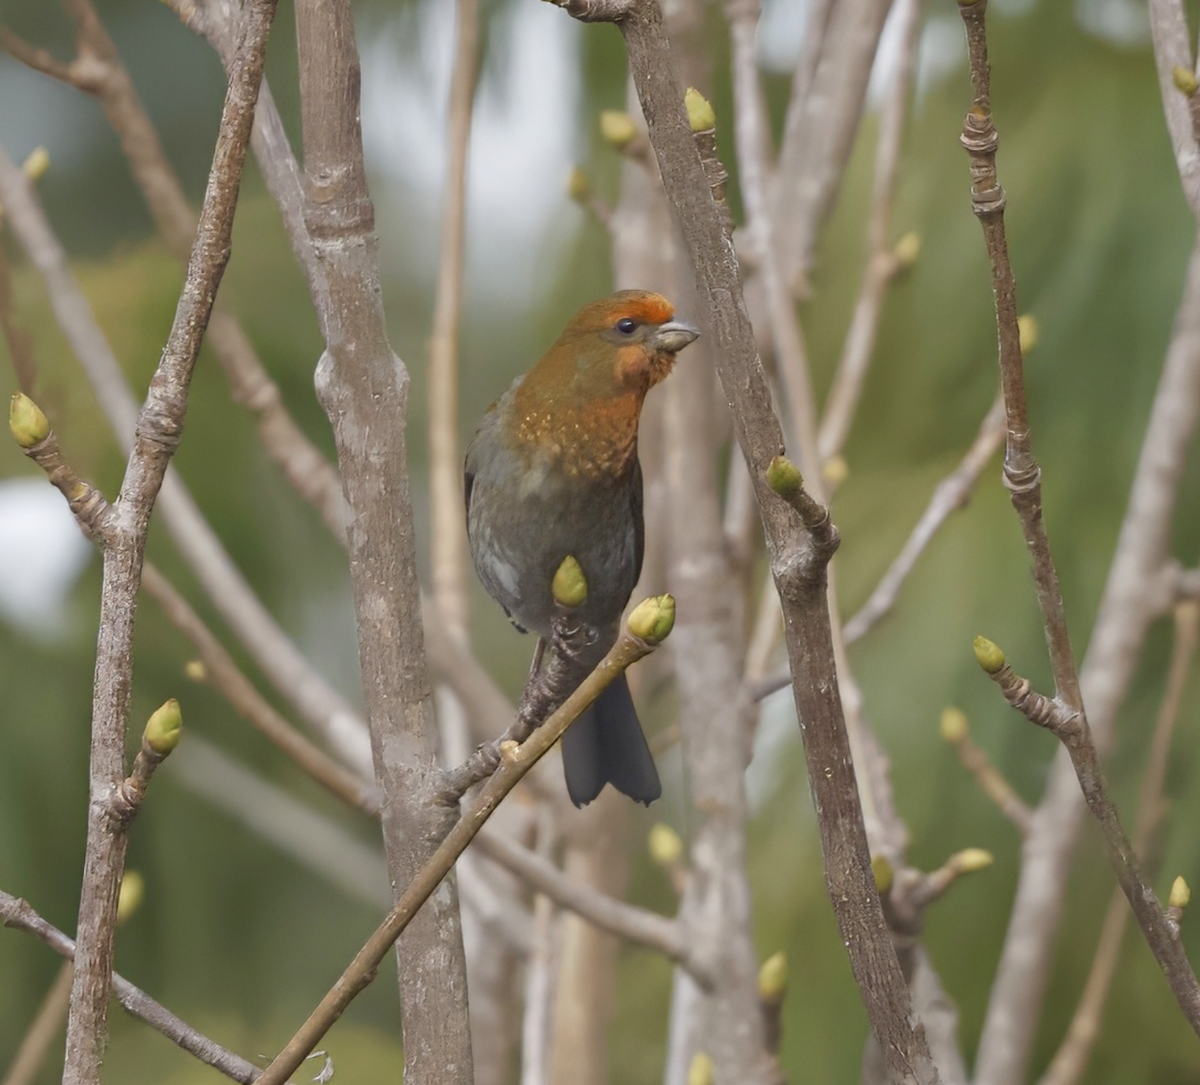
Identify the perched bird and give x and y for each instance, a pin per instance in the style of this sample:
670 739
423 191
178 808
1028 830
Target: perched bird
553 471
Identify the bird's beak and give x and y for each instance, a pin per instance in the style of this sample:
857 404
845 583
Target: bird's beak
673 336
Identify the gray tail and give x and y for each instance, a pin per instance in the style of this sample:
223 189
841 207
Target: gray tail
606 746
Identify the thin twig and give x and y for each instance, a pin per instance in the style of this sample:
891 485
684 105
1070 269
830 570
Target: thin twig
447 538
43 1029
156 438
1070 728
851 372
1172 51
950 495
516 761
18 915
1070 1061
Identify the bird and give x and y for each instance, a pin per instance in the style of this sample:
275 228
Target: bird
552 472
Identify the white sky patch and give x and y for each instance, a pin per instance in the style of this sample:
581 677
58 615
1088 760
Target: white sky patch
524 139
42 553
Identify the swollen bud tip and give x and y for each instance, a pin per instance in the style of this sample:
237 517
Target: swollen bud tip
784 477
701 1071
26 421
570 585
164 727
773 978
131 894
194 670
664 844
882 872
906 250
989 655
953 725
1185 80
653 619
969 860
578 187
36 164
1027 331
835 471
1181 893
701 117
617 128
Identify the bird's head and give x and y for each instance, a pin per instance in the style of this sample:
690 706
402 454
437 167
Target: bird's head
622 343
584 397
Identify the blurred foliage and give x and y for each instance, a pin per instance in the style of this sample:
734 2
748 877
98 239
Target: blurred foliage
241 941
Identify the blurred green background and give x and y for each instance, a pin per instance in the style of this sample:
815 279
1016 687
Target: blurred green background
239 939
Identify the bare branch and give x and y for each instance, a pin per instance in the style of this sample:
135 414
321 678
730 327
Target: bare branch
705 228
1070 1061
822 120
851 372
990 779
1172 52
1070 728
951 494
18 915
447 537
516 760
155 440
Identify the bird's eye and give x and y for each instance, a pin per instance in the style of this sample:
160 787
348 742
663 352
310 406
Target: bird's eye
626 325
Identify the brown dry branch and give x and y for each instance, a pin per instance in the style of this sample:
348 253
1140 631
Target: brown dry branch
43 1030
1124 616
1172 54
281 662
1070 728
800 571
881 265
1070 1061
822 120
651 619
950 495
156 437
230 681
363 387
990 779
447 538
305 468
18 915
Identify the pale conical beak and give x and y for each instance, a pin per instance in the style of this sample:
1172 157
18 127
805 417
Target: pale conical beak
673 336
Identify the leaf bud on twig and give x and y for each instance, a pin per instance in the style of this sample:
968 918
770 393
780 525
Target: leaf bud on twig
570 585
653 619
989 655
164 727
701 117
28 424
617 128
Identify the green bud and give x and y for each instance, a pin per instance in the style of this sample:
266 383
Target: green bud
1027 329
701 1071
989 656
953 725
700 113
970 860
195 670
131 894
578 187
570 585
664 844
617 128
1185 80
835 471
773 978
882 872
37 164
164 728
653 619
784 477
1180 893
906 250
26 421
